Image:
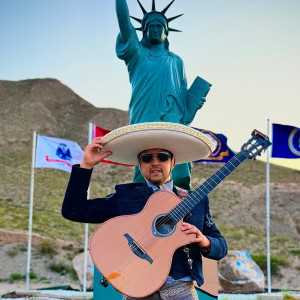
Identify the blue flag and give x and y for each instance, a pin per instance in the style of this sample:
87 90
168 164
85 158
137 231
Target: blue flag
222 152
286 141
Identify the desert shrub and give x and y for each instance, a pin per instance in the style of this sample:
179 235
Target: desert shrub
295 252
60 268
64 269
276 263
12 252
16 276
46 247
32 274
288 297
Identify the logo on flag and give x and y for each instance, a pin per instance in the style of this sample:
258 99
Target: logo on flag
63 152
55 153
222 152
286 141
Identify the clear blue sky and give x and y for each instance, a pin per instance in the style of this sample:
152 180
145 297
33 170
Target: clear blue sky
247 49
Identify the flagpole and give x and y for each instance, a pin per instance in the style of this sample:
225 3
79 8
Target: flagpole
30 211
268 214
86 234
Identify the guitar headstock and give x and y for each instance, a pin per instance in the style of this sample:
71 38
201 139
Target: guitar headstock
258 143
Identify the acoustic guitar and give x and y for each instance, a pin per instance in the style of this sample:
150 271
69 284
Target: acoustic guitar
134 252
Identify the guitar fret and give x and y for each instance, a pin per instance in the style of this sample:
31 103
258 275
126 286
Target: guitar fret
207 182
217 177
185 206
206 188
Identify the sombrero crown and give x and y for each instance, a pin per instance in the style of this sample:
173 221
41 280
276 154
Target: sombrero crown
187 144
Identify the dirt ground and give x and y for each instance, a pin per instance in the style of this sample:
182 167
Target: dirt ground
13 260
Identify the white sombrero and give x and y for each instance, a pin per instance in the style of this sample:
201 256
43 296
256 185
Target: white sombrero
187 144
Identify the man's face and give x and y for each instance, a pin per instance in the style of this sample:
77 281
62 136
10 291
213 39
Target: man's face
156 33
156 171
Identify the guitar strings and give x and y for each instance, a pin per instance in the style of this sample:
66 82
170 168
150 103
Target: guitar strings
177 212
184 206
200 191
177 209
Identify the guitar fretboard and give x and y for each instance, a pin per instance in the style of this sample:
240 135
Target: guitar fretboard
189 202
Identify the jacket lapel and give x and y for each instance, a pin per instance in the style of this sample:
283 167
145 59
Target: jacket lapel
144 191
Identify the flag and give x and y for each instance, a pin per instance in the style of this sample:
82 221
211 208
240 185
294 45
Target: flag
286 141
55 153
222 152
99 132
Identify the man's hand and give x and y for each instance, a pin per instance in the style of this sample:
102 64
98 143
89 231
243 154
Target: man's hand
91 155
201 239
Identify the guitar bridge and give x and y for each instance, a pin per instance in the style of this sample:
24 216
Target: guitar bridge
137 249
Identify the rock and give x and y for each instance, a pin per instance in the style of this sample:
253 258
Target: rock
238 273
78 265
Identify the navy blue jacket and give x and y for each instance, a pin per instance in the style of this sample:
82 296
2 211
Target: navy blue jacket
131 199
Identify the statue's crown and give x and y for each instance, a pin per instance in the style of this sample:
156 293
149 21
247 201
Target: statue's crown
162 13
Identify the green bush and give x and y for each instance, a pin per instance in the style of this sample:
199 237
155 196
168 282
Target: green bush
60 268
12 252
32 274
64 269
17 276
46 247
276 263
295 252
289 297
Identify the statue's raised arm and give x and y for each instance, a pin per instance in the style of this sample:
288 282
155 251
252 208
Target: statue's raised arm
123 19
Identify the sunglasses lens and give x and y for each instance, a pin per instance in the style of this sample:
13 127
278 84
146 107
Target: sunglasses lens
146 158
162 156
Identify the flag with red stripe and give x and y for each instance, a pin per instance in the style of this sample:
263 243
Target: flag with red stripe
99 132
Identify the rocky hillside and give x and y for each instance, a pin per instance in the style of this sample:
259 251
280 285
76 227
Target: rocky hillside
52 109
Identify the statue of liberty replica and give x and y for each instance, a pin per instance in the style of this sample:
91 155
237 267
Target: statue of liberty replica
157 77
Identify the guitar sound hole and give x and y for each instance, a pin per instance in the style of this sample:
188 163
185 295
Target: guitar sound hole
164 225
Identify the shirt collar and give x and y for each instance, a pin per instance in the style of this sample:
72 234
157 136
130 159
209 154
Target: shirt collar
168 184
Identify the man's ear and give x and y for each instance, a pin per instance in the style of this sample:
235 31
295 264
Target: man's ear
173 162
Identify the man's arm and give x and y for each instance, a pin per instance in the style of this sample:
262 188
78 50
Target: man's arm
123 19
212 244
76 207
218 248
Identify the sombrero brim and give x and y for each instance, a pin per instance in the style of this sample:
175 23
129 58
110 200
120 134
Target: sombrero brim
187 144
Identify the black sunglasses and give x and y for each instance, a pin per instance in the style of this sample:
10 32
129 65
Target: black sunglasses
161 156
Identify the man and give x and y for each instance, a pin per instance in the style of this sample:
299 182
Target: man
126 145
157 77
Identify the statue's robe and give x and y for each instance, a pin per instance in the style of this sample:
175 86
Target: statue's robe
159 92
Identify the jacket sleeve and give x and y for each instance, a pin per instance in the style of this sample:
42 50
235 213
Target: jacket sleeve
76 207
218 248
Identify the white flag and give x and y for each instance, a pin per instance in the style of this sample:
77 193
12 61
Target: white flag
55 153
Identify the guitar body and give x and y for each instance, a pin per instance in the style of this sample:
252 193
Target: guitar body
134 252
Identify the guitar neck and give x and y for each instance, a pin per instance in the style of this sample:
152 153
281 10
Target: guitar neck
189 202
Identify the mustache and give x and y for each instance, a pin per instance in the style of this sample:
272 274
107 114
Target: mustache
155 169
